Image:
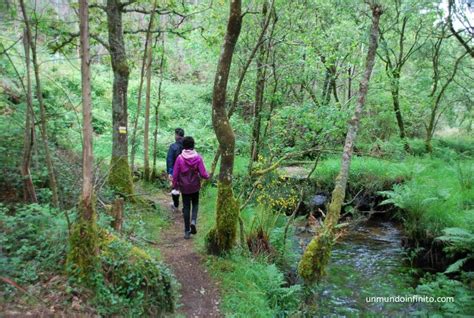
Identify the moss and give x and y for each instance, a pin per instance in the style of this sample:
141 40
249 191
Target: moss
145 287
318 252
316 256
222 238
120 178
82 260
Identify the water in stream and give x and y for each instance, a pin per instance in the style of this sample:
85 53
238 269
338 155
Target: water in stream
366 262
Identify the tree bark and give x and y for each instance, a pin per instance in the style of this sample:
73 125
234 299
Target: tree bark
317 253
259 94
222 237
44 133
235 100
157 106
146 131
82 257
29 193
140 87
87 148
120 177
435 113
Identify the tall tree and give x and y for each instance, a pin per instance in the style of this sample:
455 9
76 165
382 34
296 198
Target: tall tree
120 177
39 95
143 70
146 131
260 83
157 106
82 257
395 56
29 193
439 87
243 73
222 237
317 253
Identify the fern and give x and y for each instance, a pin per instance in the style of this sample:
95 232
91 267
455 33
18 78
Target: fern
458 241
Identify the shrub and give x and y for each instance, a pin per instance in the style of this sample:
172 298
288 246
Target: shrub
133 281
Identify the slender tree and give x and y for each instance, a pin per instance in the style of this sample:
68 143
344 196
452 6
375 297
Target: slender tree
39 95
317 253
396 56
146 131
222 238
29 193
157 106
438 87
245 68
82 257
143 70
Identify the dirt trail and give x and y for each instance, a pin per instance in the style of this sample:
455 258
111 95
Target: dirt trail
199 293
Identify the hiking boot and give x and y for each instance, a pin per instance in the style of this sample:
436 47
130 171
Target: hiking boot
187 235
193 227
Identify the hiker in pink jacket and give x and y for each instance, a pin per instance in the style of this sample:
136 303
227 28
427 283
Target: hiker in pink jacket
188 171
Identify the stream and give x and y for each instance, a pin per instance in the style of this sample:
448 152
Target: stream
367 261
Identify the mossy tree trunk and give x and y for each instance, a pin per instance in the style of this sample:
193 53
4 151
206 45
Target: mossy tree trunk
29 193
317 253
82 257
222 237
39 95
120 178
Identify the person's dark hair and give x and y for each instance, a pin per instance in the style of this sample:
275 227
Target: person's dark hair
179 132
188 142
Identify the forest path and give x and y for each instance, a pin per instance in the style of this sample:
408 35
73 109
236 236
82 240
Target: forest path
199 292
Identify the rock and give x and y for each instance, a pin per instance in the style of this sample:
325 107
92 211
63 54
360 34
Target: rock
319 200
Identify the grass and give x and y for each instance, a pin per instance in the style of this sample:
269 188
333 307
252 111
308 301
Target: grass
250 286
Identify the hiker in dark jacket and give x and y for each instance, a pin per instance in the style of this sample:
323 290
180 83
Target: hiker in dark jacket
188 171
173 152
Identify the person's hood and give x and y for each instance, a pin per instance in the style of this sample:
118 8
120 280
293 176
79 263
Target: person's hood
190 156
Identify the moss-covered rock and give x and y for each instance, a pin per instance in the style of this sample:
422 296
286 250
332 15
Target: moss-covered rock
120 177
222 238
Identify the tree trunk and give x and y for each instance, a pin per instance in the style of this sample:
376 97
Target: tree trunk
29 193
317 253
140 88
395 90
241 80
435 113
259 94
120 177
222 237
82 257
157 106
146 131
39 93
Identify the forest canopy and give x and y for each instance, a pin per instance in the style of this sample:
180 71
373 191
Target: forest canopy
337 136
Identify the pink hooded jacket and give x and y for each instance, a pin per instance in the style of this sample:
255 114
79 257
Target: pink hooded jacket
188 160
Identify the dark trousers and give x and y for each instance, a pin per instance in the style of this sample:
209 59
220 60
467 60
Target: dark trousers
188 201
175 200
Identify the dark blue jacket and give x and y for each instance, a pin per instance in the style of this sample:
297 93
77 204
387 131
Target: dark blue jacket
173 152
